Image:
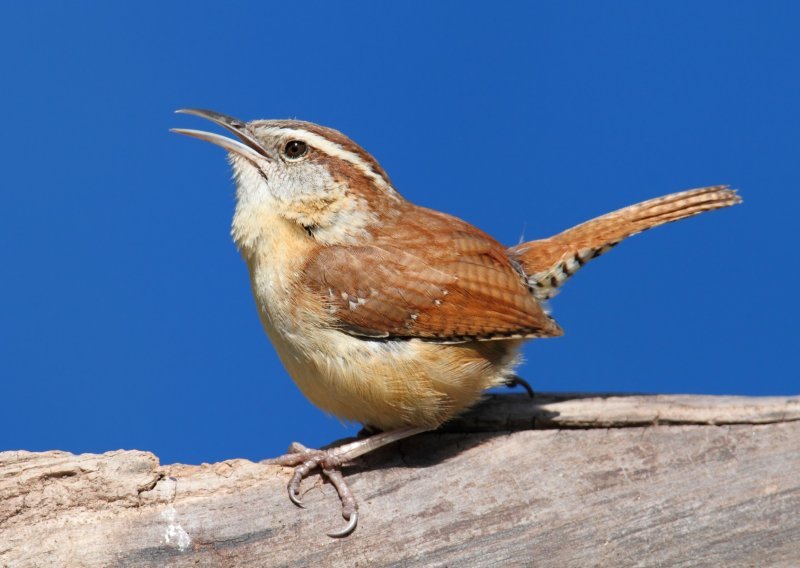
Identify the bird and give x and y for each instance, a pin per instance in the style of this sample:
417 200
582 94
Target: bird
384 312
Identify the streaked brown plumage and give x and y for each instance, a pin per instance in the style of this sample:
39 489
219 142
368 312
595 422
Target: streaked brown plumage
384 312
549 262
402 285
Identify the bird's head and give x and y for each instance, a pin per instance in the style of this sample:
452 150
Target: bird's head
306 174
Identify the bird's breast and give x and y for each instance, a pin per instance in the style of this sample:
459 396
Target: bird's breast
386 383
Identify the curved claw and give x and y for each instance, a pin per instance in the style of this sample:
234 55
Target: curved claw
294 497
517 381
349 527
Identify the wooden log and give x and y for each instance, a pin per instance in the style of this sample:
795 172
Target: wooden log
563 480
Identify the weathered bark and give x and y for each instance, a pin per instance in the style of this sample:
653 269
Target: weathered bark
565 480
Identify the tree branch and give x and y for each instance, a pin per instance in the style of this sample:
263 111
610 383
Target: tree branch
555 481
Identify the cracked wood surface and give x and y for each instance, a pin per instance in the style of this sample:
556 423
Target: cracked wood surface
563 480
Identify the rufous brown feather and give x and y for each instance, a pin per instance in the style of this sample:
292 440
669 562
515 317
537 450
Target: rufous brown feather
550 262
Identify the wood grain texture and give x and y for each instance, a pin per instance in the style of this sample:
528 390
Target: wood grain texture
600 481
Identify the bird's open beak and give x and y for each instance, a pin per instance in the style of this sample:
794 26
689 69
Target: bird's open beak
248 147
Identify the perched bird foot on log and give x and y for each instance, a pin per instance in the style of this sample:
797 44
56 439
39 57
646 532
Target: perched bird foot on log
516 381
305 460
330 461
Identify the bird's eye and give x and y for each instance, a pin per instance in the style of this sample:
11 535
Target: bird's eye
295 149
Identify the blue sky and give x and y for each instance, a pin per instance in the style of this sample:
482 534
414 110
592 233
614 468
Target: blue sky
126 319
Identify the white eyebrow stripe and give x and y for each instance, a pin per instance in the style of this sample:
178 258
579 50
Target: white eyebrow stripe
334 150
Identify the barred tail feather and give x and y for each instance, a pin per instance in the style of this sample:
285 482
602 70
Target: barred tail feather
550 262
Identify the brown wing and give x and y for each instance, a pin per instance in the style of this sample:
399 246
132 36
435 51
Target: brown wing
428 276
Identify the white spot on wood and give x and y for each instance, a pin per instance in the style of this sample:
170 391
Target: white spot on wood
175 535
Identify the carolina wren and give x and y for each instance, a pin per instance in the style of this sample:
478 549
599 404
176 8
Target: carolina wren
384 312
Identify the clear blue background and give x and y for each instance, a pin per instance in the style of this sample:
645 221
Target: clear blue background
126 319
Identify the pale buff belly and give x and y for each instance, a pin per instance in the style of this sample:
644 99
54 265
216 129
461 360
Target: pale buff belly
390 384
385 384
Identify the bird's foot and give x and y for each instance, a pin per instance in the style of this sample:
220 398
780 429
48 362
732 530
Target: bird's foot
515 381
305 460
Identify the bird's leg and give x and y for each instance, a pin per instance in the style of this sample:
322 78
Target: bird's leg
330 461
516 381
